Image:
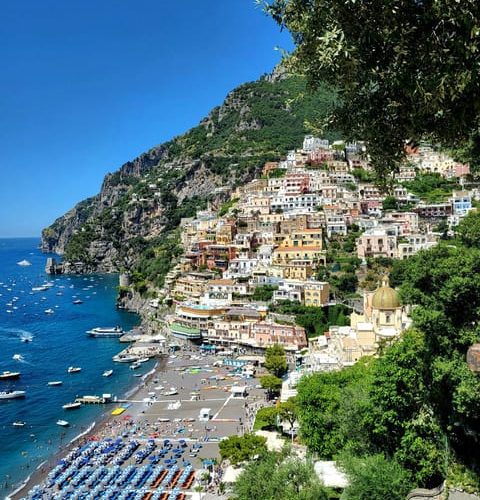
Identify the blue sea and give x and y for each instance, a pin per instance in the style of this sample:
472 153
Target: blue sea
58 341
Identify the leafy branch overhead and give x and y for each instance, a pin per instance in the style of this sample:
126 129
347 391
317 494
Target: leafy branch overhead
403 69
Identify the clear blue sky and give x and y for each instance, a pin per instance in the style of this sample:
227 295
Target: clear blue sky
86 85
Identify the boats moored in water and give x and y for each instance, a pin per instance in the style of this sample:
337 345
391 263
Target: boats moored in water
127 358
9 375
19 423
135 365
77 301
49 311
143 360
24 263
12 394
54 383
107 373
63 423
115 331
74 369
72 406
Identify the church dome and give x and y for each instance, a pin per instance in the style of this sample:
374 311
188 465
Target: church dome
385 297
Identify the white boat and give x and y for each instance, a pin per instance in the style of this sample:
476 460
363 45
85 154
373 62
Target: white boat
54 383
17 357
72 406
135 365
12 394
74 369
98 331
63 423
171 392
143 360
78 301
41 288
124 359
24 263
9 375
49 311
107 373
19 423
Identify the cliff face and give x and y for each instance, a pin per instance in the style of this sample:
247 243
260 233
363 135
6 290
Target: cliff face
148 196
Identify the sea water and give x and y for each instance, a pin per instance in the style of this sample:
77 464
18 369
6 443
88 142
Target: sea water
58 340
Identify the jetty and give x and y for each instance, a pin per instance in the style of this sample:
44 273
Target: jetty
94 400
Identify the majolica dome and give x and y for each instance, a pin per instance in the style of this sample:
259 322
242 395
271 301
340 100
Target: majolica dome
385 297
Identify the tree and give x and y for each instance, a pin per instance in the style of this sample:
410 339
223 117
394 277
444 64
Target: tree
266 418
469 230
375 478
390 203
276 477
276 360
287 411
271 384
240 448
403 70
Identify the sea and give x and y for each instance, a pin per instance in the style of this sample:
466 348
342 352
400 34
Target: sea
58 340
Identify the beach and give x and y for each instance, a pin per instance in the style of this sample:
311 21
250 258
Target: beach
200 382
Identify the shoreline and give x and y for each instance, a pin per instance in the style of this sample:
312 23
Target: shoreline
40 472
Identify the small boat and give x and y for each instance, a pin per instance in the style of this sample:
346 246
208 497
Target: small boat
24 263
12 394
63 423
124 359
163 420
143 360
19 423
42 288
137 375
26 339
17 357
78 301
107 373
72 406
171 392
115 331
74 369
49 311
135 365
54 383
9 375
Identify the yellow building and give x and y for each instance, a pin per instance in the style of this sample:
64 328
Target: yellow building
317 293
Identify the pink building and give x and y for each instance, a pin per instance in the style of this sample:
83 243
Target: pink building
267 333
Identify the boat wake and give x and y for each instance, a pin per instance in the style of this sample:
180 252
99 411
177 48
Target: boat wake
23 335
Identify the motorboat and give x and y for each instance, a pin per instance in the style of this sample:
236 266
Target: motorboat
143 360
72 406
19 423
9 375
107 373
17 357
54 383
62 423
49 311
171 392
41 288
124 359
135 365
77 301
12 394
26 338
74 369
98 331
24 263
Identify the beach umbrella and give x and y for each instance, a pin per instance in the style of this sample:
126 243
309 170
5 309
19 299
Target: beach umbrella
127 417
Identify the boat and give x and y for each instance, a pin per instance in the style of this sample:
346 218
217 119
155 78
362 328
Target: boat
124 359
171 392
74 369
12 394
78 301
49 311
9 375
17 357
107 373
19 423
41 288
24 263
98 331
118 411
72 406
26 339
63 423
135 365
138 375
54 383
143 360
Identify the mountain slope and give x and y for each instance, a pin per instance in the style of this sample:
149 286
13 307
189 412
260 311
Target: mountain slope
147 197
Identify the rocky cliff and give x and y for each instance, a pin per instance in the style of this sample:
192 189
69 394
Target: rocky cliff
144 201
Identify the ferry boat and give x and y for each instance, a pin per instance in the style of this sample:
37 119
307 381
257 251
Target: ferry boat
115 331
19 423
12 394
54 383
74 369
9 375
63 423
72 406
107 373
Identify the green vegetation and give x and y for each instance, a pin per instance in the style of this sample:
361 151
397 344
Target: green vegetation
432 188
272 384
278 477
238 449
264 293
227 206
315 320
390 203
276 360
386 94
468 231
266 419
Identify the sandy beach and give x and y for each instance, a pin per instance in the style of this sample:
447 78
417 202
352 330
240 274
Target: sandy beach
200 382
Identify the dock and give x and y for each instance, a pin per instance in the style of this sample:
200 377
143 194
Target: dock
94 400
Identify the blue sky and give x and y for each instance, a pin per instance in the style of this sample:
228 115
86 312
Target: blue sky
88 85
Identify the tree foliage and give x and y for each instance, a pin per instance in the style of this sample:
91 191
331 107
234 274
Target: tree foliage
238 449
276 360
404 69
